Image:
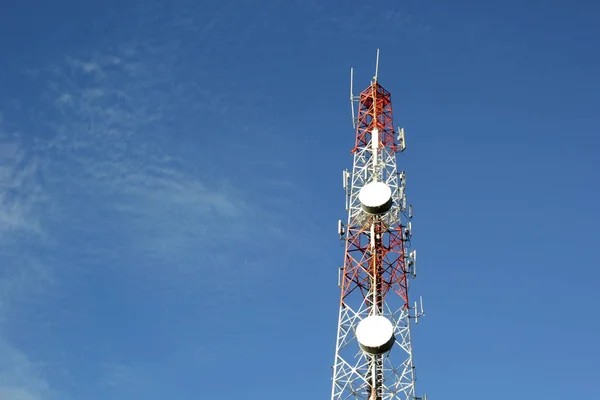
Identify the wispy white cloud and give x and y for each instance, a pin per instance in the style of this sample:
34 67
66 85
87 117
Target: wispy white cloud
111 148
130 163
20 379
19 192
21 201
115 166
103 175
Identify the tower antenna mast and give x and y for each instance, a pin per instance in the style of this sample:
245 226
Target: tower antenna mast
373 354
377 66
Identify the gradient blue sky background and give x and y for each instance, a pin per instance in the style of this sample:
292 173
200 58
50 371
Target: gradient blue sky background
170 183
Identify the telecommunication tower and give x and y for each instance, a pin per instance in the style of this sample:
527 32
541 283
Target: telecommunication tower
373 354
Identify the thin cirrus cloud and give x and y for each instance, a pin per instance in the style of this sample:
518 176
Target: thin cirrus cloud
112 156
95 179
21 199
20 378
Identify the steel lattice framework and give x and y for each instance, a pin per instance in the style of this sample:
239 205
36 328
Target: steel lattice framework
377 263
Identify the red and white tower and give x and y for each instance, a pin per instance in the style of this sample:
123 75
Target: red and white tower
373 355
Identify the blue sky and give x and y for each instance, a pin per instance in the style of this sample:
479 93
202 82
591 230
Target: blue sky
170 188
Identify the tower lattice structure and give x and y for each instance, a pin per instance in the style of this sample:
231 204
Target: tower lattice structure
378 262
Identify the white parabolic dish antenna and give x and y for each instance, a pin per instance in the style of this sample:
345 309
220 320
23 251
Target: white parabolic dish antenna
375 334
375 198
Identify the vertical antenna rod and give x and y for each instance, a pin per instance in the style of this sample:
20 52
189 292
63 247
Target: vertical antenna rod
377 66
375 314
352 96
